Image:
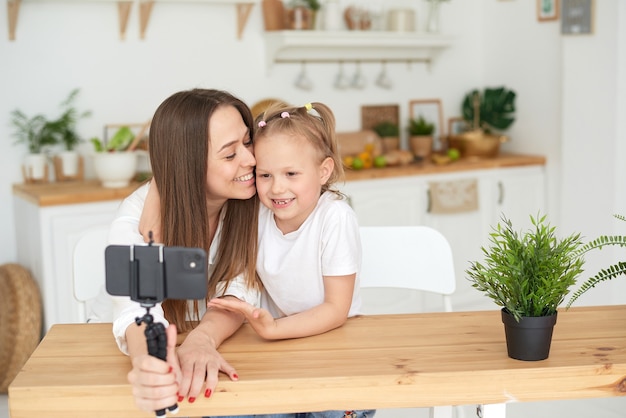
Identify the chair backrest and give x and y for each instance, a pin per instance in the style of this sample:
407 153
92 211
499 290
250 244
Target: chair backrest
88 266
407 257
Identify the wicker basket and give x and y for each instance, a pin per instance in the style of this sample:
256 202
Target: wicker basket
477 144
21 319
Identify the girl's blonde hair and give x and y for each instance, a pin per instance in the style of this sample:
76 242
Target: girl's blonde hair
314 122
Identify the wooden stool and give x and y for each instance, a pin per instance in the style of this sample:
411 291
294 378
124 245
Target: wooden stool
21 319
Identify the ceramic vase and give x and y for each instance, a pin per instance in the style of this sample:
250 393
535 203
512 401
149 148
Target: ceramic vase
115 169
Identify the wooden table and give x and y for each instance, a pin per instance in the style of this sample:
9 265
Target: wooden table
385 361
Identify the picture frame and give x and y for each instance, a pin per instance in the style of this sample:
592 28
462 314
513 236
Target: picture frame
141 131
457 125
547 10
372 115
430 109
577 17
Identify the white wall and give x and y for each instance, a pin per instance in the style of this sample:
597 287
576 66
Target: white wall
570 89
592 178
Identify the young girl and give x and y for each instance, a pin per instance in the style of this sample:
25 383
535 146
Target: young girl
309 246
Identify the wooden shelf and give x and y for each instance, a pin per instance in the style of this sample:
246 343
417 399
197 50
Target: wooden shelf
342 46
244 7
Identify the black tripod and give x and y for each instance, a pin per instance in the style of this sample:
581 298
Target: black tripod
157 346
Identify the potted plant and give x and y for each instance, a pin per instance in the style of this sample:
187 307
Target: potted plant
301 14
35 133
528 274
421 137
617 269
68 163
114 164
41 134
389 133
488 114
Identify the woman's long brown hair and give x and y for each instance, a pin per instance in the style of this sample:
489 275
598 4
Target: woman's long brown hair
178 145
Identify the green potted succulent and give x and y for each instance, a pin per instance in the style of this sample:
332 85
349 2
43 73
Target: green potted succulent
609 273
114 164
528 274
389 133
421 137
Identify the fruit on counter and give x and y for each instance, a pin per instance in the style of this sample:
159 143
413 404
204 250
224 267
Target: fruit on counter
368 160
454 154
380 161
357 163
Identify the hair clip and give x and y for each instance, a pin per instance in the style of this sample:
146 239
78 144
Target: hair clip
284 115
308 106
261 124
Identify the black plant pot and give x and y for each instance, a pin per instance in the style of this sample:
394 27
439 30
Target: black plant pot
530 338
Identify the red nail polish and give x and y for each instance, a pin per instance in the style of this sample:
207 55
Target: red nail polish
170 370
192 400
207 393
235 376
181 398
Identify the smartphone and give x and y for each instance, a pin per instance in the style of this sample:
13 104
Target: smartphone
151 273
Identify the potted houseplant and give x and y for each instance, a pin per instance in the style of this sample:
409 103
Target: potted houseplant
421 137
114 164
389 133
41 134
488 113
68 163
617 269
528 274
35 132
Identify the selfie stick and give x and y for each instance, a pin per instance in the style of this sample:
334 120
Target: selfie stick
155 339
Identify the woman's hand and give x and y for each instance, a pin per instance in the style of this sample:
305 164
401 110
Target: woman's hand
200 362
260 319
154 381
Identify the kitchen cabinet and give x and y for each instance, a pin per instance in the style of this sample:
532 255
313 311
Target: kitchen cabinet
49 220
516 192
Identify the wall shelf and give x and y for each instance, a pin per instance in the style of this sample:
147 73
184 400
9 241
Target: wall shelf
244 7
291 46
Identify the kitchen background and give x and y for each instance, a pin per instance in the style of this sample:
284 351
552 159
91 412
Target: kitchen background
571 89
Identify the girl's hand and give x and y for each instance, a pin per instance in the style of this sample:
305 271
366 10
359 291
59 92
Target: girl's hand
260 319
154 381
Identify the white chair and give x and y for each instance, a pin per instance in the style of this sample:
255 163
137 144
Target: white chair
399 264
89 273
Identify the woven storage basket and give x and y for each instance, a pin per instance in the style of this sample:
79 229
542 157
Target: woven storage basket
20 320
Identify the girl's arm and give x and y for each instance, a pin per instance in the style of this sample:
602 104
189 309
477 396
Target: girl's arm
330 314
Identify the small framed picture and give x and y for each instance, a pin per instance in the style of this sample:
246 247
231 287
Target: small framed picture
374 114
430 110
547 10
457 126
577 17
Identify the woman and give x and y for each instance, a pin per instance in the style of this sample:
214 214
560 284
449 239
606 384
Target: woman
201 154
